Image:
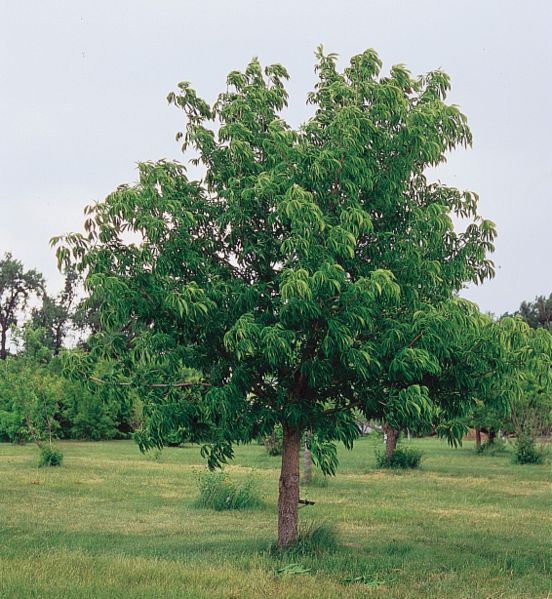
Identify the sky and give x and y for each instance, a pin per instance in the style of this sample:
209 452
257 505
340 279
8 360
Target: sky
83 88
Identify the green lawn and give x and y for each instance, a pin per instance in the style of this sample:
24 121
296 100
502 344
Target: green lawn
113 523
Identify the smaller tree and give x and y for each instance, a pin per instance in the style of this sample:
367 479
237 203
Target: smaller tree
56 313
17 286
32 396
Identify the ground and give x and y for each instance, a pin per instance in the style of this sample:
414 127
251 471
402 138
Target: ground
114 523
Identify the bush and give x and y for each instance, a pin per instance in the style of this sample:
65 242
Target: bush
13 427
402 457
90 418
273 442
218 492
527 452
50 456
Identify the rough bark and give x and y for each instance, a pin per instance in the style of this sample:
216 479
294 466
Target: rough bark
392 436
477 438
307 460
288 498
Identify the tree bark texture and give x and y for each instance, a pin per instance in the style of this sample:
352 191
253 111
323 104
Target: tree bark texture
477 438
307 460
392 436
288 498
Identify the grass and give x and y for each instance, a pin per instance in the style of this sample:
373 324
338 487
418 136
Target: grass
113 523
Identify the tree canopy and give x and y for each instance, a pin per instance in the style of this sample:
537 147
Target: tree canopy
309 272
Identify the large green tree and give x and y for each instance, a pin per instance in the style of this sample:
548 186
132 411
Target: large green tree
283 286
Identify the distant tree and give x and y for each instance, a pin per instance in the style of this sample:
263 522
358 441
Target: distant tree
17 286
508 372
55 315
538 313
285 287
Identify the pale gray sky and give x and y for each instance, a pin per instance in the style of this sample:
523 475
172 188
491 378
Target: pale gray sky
83 87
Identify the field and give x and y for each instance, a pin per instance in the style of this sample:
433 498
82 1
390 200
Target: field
114 523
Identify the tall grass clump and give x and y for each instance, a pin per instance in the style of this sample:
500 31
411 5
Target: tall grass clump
314 539
218 492
402 457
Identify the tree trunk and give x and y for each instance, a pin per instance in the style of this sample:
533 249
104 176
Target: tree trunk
477 438
492 435
288 498
3 343
307 460
392 436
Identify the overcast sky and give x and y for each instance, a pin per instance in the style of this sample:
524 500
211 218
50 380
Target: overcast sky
83 87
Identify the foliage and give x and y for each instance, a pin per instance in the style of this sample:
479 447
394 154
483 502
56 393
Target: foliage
17 286
38 402
50 456
538 313
90 417
531 413
286 295
527 452
13 427
402 457
55 315
324 454
31 394
218 491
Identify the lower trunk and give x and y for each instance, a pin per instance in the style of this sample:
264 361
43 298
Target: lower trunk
288 498
307 460
391 438
477 438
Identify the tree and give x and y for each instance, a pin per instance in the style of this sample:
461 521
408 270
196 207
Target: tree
56 313
17 286
281 287
497 368
538 313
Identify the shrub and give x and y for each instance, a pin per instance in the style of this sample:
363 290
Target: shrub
402 457
50 456
13 427
91 419
218 492
273 442
527 452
